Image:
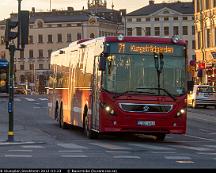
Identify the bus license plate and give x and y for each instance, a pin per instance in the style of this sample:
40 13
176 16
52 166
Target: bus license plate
146 123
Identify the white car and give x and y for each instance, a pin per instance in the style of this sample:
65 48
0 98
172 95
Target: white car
202 95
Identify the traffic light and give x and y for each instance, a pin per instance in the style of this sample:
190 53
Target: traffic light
9 34
23 28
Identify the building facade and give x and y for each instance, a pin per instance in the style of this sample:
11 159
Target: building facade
205 29
50 31
164 20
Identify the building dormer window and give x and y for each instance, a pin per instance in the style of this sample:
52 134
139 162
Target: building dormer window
40 24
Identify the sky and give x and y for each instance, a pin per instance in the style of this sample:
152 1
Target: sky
9 6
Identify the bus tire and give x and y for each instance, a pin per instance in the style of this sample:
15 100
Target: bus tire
62 124
89 133
160 137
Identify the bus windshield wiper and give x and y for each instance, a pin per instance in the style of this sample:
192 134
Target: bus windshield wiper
132 92
162 89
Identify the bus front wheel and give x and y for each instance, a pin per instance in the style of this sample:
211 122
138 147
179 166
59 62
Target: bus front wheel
89 133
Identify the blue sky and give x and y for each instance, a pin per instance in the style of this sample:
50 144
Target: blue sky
8 6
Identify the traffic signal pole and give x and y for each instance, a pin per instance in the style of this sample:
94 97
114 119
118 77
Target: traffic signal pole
12 50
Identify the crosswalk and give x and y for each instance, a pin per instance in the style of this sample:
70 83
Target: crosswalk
117 151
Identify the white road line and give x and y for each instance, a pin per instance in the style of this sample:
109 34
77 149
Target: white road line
37 107
184 161
197 137
30 99
163 152
17 100
194 148
206 153
110 146
13 155
210 146
74 156
152 147
71 146
70 151
177 157
32 146
42 99
126 157
19 150
115 152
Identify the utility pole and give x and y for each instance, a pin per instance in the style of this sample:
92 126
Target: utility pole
22 39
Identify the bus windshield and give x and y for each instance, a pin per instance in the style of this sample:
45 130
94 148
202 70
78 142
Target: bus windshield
137 72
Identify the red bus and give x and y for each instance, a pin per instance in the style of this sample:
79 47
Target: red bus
120 85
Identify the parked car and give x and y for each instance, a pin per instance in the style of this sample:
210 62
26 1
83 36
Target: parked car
202 95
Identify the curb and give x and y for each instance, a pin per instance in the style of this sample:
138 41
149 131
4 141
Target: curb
5 143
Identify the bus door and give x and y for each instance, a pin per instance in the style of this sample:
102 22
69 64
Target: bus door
95 94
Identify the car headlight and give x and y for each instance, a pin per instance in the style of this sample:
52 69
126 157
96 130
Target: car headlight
181 112
109 110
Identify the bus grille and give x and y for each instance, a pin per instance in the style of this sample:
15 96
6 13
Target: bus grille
146 108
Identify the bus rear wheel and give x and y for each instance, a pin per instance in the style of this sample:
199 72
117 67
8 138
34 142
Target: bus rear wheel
62 124
160 137
89 133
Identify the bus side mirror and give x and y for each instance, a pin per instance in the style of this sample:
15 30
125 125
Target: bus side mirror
102 63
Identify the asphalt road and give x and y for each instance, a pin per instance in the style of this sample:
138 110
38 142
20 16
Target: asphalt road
40 143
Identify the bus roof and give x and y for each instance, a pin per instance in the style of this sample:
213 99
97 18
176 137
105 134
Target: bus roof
150 39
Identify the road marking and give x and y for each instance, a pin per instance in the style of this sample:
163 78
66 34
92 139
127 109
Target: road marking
177 157
200 138
115 152
29 99
20 150
213 133
110 146
152 147
43 99
206 153
70 151
79 156
194 148
71 146
37 107
204 130
184 161
126 157
10 155
32 146
211 146
17 100
163 152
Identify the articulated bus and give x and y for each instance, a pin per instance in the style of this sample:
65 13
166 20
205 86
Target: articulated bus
4 74
120 85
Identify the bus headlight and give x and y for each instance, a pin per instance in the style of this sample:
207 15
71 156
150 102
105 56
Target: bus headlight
181 112
109 110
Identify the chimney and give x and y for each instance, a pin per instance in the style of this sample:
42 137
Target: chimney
33 9
151 2
70 9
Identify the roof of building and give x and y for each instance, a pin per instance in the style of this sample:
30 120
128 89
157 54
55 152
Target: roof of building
181 7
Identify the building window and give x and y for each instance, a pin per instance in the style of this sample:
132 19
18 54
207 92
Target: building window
129 31
214 3
31 66
185 30
208 33
31 54
193 44
41 66
193 30
68 25
148 31
22 78
207 4
40 24
79 36
40 38
129 19
138 19
69 38
138 31
185 18
157 31
50 40
59 25
30 39
199 40
59 36
156 18
49 25
175 18
148 19
166 30
49 53
40 52
22 54
175 30
22 67
166 18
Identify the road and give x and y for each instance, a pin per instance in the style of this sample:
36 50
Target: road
40 143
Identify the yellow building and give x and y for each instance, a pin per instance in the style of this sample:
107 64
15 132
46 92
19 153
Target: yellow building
205 36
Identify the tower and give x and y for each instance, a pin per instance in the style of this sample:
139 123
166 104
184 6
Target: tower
97 4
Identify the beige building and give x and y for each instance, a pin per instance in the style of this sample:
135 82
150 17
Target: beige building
205 29
49 31
164 20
